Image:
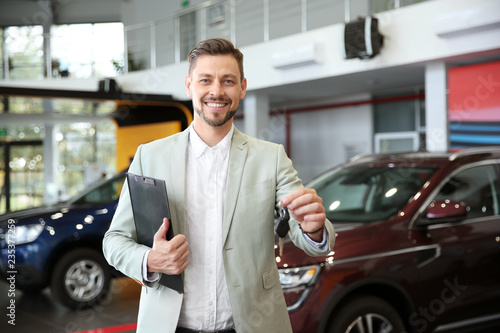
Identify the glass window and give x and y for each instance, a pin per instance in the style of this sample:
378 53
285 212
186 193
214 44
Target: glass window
3 190
396 142
378 6
284 18
396 116
25 52
83 107
21 133
86 50
1 58
25 105
187 32
26 176
108 46
82 145
250 26
421 106
322 13
478 187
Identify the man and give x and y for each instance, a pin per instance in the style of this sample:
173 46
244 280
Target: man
223 189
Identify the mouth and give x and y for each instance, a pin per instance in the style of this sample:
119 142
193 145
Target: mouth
215 104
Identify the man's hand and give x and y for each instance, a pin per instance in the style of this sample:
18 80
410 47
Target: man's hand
168 257
306 207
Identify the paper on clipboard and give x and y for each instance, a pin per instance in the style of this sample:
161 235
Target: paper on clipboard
150 205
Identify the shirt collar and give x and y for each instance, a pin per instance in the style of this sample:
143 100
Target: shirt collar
199 147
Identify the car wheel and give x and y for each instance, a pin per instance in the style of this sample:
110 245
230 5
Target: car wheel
367 314
81 279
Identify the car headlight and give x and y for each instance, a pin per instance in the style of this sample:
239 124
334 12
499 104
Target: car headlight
27 233
297 283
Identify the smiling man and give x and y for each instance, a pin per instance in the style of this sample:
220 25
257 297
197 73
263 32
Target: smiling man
216 88
223 189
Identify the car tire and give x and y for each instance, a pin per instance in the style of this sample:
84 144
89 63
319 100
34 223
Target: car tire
367 314
81 278
29 289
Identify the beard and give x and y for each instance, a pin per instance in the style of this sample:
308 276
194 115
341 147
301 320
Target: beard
215 122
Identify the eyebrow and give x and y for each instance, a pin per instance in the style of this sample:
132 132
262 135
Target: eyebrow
225 76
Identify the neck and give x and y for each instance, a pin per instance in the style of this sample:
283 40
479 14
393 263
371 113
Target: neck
209 134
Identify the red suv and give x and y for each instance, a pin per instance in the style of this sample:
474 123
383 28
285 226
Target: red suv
417 249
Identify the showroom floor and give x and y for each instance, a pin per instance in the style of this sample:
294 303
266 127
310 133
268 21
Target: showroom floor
38 312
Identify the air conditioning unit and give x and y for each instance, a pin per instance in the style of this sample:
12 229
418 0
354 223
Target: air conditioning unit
362 39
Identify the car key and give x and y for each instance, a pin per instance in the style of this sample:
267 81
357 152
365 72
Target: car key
282 227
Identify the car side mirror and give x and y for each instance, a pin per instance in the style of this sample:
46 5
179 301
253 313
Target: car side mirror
444 211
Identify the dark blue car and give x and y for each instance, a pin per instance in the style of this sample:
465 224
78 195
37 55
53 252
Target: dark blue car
60 246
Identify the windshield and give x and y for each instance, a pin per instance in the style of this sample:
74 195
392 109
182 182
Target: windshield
104 193
367 194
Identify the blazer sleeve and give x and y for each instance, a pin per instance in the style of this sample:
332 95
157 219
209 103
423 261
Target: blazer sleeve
287 182
120 246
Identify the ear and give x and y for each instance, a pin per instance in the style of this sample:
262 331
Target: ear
187 84
243 88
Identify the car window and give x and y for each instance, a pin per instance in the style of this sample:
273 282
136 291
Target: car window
366 194
105 193
478 187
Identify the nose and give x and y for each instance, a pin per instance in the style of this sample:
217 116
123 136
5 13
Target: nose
216 89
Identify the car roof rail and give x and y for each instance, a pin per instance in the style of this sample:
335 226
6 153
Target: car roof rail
385 155
372 156
362 157
474 151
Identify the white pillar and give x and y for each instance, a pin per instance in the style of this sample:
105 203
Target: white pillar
256 106
436 107
50 157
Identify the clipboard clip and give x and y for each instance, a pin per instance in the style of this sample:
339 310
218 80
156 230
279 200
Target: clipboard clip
144 180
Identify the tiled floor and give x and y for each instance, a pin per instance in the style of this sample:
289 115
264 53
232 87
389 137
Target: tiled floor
38 312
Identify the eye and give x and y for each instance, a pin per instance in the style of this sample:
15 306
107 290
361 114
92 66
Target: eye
229 82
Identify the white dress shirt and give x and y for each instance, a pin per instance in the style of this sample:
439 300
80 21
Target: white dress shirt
206 305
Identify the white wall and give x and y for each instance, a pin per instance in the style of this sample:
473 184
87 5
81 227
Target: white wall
324 138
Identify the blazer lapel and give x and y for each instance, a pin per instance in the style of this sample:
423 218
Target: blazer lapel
237 158
177 177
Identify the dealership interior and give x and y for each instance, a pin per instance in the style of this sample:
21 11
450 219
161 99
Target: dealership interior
83 83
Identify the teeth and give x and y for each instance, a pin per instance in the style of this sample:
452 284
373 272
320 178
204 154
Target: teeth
215 105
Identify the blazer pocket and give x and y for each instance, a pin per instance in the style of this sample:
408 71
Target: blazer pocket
269 279
260 188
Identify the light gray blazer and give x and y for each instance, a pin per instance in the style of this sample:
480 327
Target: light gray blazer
260 174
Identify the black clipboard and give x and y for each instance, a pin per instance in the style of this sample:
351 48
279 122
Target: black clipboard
150 205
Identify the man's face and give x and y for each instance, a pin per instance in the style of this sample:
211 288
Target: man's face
216 88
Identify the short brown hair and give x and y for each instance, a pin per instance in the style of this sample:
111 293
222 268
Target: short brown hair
215 46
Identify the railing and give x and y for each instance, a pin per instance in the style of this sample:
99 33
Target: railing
167 41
